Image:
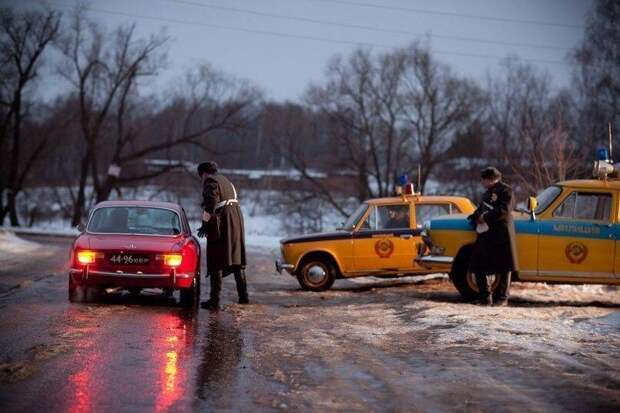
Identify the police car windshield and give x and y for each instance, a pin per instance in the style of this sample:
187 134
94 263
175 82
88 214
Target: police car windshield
546 197
134 220
354 217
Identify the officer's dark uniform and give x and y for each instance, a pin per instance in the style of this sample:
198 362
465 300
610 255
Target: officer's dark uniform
225 234
495 250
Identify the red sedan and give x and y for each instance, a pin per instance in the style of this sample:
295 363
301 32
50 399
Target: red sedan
135 245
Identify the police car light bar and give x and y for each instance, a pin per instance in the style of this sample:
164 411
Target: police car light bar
605 169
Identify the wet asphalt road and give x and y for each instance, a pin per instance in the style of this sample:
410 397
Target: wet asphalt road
357 347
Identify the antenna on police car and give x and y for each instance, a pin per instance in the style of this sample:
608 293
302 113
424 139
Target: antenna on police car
611 153
419 178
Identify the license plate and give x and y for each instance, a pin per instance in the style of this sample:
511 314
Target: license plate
129 259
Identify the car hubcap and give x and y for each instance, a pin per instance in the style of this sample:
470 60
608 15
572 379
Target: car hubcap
316 274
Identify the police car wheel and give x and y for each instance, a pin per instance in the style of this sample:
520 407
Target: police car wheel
316 275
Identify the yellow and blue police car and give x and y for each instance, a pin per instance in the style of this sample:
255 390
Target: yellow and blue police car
381 238
570 233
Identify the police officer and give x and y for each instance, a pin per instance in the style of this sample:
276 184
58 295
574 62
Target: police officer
494 250
222 224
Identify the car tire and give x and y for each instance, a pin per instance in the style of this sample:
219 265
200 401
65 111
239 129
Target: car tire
190 297
316 275
458 273
73 290
462 279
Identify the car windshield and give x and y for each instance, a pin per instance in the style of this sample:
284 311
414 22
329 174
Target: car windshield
355 217
546 197
134 220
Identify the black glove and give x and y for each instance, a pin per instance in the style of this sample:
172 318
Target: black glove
202 231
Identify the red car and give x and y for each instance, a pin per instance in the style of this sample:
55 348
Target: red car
135 245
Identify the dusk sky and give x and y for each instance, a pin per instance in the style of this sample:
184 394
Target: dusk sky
284 45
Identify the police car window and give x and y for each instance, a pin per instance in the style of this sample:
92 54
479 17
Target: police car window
425 212
593 206
584 205
567 208
370 223
393 217
546 197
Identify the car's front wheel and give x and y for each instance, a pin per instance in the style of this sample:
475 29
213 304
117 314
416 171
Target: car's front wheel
316 275
191 296
465 281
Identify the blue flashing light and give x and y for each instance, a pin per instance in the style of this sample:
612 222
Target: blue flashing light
403 179
602 154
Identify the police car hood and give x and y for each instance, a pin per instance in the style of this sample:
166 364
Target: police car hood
319 236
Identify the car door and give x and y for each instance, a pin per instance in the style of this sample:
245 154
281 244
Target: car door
385 240
578 241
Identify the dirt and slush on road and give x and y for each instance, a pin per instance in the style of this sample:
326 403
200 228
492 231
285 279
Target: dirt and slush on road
404 344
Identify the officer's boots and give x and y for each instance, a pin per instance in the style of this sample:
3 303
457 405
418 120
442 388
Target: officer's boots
213 303
484 286
242 286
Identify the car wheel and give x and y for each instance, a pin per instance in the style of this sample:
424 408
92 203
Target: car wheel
316 275
191 296
465 281
73 290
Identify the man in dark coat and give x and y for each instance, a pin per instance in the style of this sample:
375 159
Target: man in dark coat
495 248
222 223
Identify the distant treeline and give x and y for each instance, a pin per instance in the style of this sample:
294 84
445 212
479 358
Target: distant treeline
375 116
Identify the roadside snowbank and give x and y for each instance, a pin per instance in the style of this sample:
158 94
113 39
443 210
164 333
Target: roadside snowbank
12 244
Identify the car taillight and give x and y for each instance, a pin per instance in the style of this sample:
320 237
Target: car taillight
171 260
88 257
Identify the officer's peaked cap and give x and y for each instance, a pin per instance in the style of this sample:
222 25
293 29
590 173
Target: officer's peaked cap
491 173
207 168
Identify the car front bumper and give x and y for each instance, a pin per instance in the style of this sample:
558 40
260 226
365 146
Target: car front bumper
435 261
93 277
281 265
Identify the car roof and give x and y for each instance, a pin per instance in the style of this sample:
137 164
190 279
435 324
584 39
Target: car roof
419 198
138 203
592 183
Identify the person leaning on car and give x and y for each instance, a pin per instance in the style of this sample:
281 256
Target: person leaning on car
222 224
494 250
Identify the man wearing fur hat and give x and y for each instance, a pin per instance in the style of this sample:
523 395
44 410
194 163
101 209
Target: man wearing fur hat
494 252
222 224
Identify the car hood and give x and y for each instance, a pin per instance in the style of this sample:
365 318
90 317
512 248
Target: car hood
132 242
319 236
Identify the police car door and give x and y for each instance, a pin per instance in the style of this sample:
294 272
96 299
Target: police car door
578 240
384 243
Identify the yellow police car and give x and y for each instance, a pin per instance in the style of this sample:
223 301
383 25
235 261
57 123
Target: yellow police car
381 238
569 234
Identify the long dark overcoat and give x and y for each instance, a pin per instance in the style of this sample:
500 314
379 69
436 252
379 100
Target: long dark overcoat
228 249
495 250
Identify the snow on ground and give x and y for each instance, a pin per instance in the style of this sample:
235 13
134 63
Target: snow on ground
11 244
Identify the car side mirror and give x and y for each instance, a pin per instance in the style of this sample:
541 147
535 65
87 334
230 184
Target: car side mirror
532 204
81 227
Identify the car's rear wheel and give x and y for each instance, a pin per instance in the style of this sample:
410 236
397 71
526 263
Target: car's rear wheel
465 281
191 296
73 290
316 274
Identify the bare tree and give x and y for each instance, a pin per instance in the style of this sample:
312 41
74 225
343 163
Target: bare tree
361 102
438 107
23 39
597 75
98 69
529 129
209 102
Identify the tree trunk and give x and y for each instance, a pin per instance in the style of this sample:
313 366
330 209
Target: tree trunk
78 208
